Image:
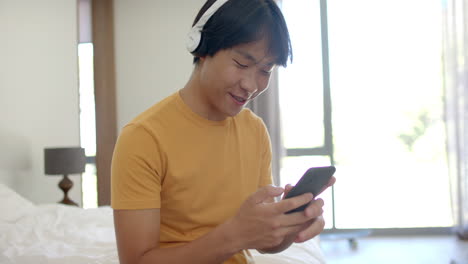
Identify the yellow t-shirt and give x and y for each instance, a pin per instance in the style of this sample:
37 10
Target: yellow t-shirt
197 171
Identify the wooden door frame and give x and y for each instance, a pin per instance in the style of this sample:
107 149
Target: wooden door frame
105 94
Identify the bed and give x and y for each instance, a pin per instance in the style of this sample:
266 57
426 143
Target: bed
55 233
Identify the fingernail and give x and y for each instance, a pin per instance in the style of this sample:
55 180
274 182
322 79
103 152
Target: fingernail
322 203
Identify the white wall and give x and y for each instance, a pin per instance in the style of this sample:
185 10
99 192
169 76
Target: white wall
151 59
38 78
38 93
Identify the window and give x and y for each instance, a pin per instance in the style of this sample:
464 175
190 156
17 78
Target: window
371 70
87 104
306 126
87 123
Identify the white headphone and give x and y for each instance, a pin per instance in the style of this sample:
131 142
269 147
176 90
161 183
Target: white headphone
194 35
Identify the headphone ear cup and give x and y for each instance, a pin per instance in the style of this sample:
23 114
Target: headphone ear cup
194 35
193 39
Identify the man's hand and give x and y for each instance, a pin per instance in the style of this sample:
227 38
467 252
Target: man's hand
315 226
262 223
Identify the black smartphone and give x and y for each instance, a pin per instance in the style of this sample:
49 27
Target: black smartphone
313 180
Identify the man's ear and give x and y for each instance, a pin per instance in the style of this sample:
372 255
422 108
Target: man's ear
201 60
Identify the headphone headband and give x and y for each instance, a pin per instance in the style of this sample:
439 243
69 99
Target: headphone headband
194 35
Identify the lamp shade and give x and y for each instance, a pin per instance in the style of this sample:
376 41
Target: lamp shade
64 160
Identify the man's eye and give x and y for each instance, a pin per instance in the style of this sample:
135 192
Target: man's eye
267 73
240 64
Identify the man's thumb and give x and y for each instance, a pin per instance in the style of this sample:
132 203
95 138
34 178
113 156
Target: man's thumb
265 193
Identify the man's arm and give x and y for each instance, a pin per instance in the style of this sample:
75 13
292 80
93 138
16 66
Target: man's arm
257 224
137 233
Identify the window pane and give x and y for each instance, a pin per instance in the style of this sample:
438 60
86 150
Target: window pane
87 109
301 91
87 122
389 138
292 170
89 187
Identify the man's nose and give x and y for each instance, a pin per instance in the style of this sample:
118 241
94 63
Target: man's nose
248 83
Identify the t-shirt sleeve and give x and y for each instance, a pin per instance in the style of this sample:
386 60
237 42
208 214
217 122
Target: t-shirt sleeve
137 170
266 156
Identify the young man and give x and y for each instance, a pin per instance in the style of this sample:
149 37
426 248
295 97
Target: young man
191 175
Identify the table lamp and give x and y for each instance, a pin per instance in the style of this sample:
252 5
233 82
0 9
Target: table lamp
64 161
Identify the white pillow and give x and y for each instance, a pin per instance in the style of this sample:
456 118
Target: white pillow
12 205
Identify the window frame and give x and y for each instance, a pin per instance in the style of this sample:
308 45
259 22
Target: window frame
327 149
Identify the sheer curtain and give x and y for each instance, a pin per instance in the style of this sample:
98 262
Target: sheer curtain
267 107
456 104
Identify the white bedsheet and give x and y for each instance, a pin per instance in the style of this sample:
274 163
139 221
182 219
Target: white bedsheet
59 234
63 234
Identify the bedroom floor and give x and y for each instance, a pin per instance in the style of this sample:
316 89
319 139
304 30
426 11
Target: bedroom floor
401 250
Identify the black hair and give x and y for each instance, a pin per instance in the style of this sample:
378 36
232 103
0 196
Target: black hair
244 21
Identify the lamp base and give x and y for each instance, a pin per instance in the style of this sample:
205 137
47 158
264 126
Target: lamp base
65 185
68 201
